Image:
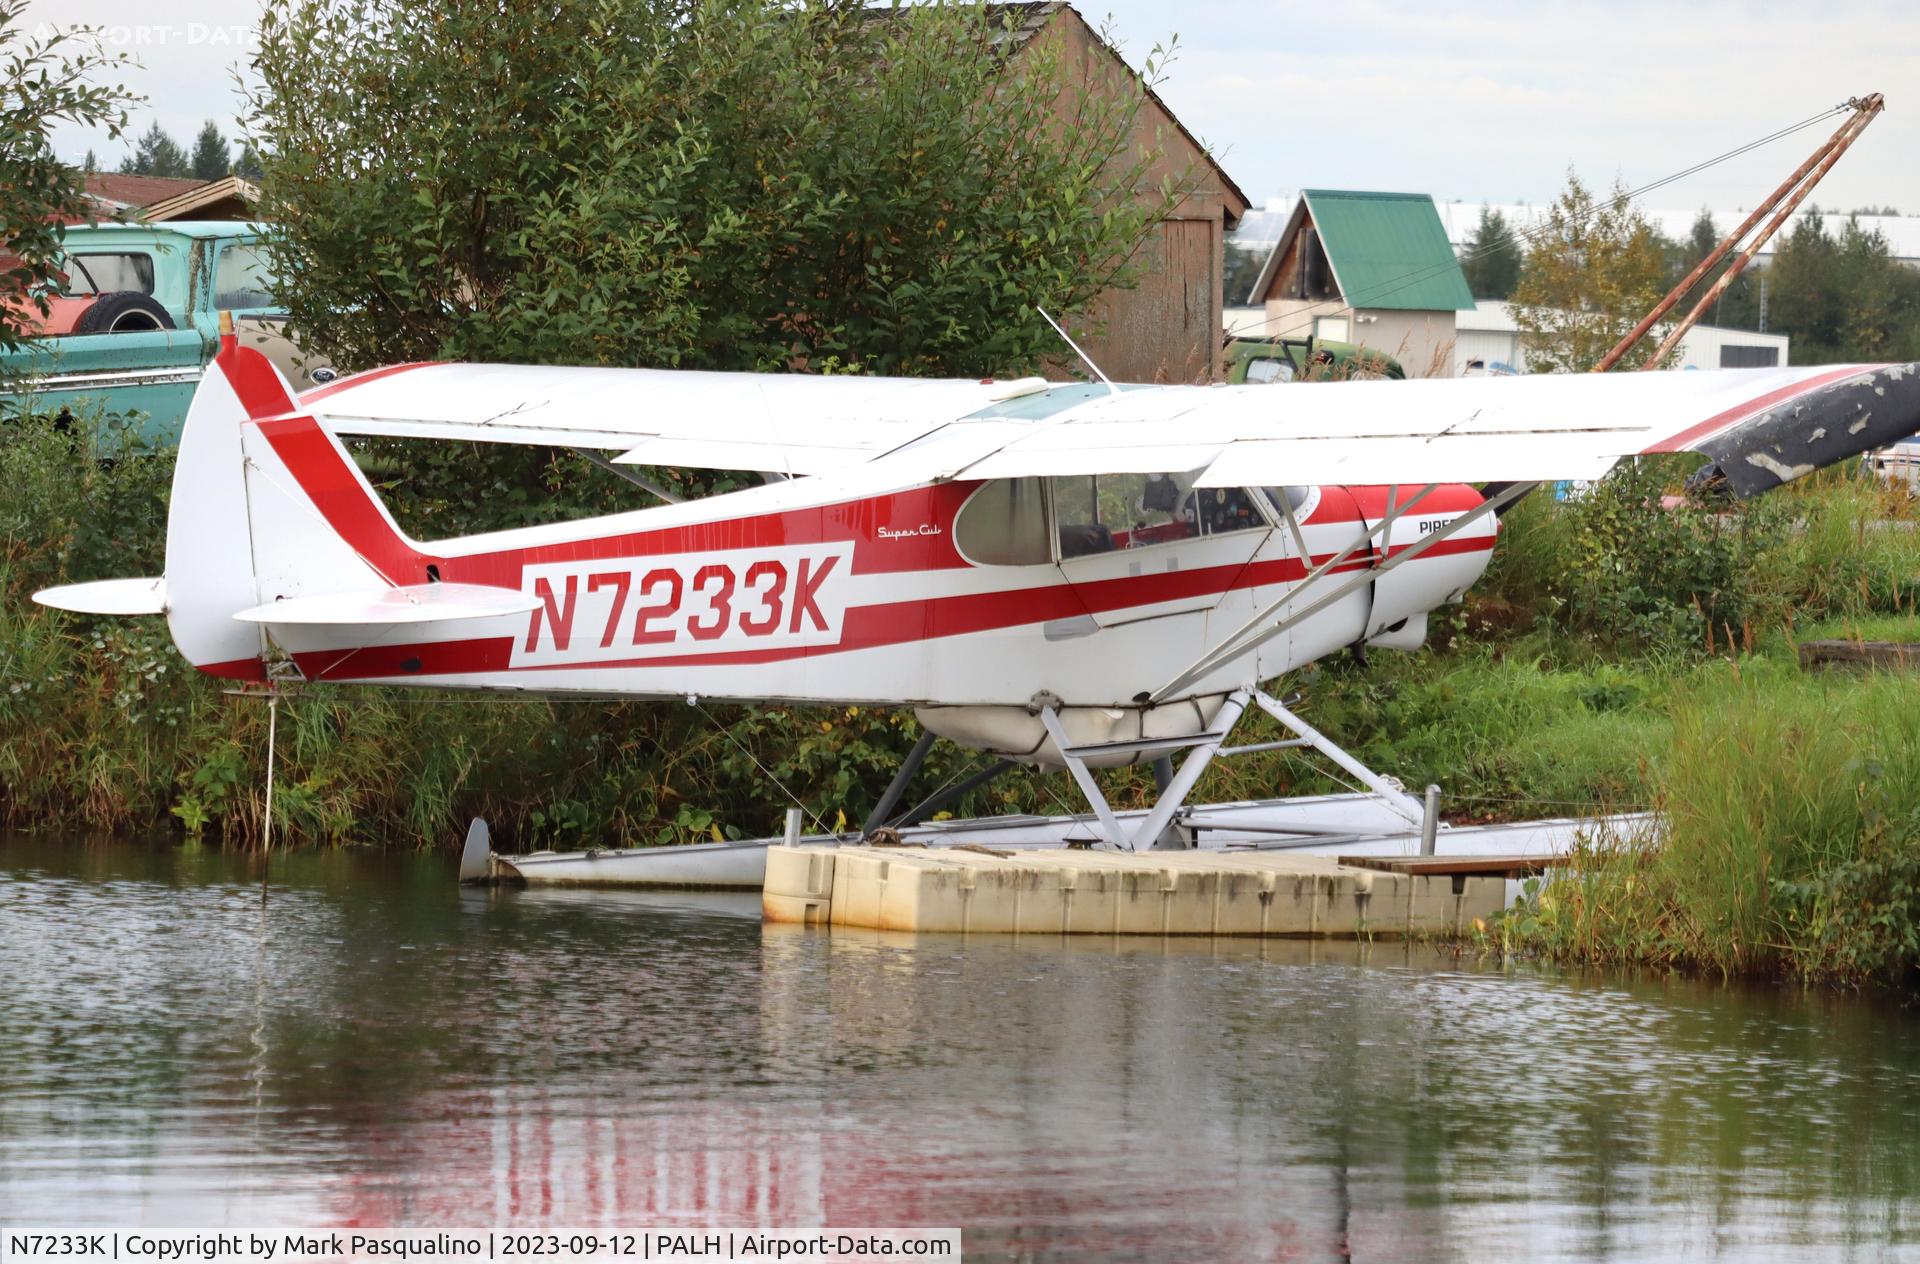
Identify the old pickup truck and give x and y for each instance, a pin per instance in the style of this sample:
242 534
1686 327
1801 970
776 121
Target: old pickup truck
139 319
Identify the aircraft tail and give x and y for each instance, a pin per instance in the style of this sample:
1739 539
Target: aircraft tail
257 489
273 531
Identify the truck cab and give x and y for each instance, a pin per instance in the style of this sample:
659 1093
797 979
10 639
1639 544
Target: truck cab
138 320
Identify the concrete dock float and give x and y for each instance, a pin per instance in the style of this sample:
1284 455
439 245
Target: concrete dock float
983 890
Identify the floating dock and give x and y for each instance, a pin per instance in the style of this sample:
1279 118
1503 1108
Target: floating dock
986 890
1333 826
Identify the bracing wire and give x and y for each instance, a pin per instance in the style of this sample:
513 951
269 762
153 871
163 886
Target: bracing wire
764 770
1304 317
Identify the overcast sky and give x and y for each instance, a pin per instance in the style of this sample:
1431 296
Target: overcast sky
1486 101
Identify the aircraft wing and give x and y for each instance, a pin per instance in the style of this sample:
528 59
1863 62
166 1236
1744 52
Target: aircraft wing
789 422
1761 427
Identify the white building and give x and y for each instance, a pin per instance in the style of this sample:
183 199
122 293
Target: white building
1488 340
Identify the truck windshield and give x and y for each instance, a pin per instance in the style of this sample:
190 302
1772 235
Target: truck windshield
241 279
109 274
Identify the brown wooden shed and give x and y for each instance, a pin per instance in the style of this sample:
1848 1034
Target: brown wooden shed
1168 328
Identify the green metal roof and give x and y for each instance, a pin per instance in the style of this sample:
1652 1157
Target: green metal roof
1389 250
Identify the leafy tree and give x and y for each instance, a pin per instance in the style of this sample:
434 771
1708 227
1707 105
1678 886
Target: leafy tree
156 154
1595 268
212 160
1492 257
1703 236
696 183
91 164
1684 256
43 81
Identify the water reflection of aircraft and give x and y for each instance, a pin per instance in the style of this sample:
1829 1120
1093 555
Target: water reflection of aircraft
1069 576
808 1104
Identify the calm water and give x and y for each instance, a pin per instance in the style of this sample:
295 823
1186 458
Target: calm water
379 1047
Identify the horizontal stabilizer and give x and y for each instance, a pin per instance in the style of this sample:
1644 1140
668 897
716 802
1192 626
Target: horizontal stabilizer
415 603
108 596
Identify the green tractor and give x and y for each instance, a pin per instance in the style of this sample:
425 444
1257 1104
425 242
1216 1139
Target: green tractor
1306 360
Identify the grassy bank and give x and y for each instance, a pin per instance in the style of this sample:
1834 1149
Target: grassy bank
1619 655
1792 845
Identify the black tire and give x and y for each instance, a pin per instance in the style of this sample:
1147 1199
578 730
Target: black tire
123 311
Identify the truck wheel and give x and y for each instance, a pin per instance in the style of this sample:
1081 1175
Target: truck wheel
122 312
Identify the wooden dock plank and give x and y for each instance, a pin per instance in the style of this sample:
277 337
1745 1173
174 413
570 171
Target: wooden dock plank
1899 655
1470 866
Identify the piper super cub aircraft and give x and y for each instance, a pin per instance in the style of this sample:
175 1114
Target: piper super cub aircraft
1069 575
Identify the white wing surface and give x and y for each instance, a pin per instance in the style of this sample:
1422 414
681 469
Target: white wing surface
1761 426
796 423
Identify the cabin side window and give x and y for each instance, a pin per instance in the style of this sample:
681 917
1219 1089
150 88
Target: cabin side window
1294 498
1130 511
1098 514
1004 523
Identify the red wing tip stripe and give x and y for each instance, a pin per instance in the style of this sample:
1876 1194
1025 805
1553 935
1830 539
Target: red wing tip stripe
1714 425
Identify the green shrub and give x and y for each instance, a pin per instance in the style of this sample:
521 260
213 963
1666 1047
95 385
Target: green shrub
1620 567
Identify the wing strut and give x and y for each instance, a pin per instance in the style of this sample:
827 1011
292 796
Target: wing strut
645 484
1251 637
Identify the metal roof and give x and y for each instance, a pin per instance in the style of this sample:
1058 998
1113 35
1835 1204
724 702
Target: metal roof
74 234
1388 250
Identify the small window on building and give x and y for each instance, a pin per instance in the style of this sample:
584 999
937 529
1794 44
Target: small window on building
1004 523
109 274
1741 356
1330 329
241 279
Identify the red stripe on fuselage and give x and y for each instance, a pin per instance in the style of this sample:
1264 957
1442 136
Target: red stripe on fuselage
866 627
253 378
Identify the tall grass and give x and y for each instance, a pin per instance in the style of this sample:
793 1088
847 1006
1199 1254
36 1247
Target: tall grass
1791 841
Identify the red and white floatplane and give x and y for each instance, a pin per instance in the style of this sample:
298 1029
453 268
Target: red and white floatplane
1067 576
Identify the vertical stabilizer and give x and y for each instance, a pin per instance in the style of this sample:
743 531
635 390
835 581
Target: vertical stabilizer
210 571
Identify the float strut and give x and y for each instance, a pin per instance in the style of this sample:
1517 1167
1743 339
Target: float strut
1173 796
940 798
1391 793
897 788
